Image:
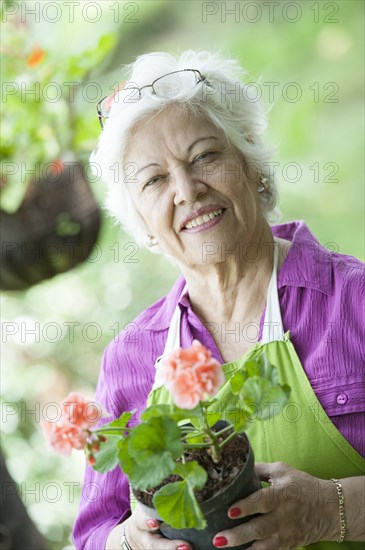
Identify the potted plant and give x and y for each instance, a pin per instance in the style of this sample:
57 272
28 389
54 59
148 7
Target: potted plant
187 461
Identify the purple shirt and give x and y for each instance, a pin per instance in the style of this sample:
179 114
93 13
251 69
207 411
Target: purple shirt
321 296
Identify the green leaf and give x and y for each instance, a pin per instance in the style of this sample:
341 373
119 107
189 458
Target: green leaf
267 370
158 434
192 439
255 388
155 410
150 451
213 410
171 411
123 420
107 457
125 460
212 418
177 505
193 473
251 367
80 63
237 382
267 399
106 43
238 417
120 422
147 477
189 415
274 402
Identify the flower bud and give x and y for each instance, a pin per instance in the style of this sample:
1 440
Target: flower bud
95 446
91 460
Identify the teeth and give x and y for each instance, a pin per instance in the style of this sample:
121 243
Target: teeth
203 219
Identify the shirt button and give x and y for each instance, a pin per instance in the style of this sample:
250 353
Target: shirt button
342 399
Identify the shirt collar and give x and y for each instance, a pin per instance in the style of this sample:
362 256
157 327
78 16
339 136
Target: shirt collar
308 264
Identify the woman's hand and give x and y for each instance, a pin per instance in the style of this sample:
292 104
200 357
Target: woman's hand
142 532
297 509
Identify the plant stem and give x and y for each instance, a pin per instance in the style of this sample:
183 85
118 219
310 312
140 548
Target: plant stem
230 427
118 431
227 439
216 454
190 445
195 434
188 429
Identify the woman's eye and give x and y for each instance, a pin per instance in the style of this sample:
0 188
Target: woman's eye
204 156
151 181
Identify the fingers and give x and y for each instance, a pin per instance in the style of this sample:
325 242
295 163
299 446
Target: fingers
156 541
260 502
159 541
270 471
266 544
286 502
142 532
264 470
264 500
142 521
256 529
152 524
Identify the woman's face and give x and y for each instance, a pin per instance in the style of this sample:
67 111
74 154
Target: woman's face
190 188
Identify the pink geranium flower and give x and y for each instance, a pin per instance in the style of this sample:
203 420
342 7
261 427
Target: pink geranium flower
72 429
64 438
80 411
190 374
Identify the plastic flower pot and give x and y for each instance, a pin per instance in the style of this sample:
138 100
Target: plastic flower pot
215 509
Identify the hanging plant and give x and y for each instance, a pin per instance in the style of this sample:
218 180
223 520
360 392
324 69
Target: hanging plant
55 228
50 219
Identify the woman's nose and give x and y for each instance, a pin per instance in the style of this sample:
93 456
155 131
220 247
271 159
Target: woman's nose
188 188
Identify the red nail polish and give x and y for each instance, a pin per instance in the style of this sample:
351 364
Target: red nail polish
152 524
220 541
183 547
234 513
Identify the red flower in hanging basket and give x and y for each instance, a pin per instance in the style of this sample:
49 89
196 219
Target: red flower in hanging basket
36 57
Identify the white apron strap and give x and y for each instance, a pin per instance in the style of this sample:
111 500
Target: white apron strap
273 325
173 339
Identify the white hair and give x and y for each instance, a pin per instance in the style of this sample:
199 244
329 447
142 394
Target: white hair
226 103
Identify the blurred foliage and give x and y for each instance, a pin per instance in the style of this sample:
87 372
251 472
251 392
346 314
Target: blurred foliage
38 108
75 315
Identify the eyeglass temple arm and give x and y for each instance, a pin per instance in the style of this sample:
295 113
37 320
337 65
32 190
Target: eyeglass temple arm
98 110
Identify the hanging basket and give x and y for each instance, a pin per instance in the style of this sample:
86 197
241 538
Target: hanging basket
55 228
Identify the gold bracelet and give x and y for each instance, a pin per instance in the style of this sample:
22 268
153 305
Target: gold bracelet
341 509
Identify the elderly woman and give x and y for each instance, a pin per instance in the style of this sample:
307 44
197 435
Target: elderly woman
188 176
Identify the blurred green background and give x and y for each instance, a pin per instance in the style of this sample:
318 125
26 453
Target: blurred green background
308 60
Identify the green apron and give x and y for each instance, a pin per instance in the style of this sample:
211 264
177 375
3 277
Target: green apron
301 435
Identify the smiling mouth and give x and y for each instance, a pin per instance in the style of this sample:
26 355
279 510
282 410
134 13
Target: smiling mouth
201 220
